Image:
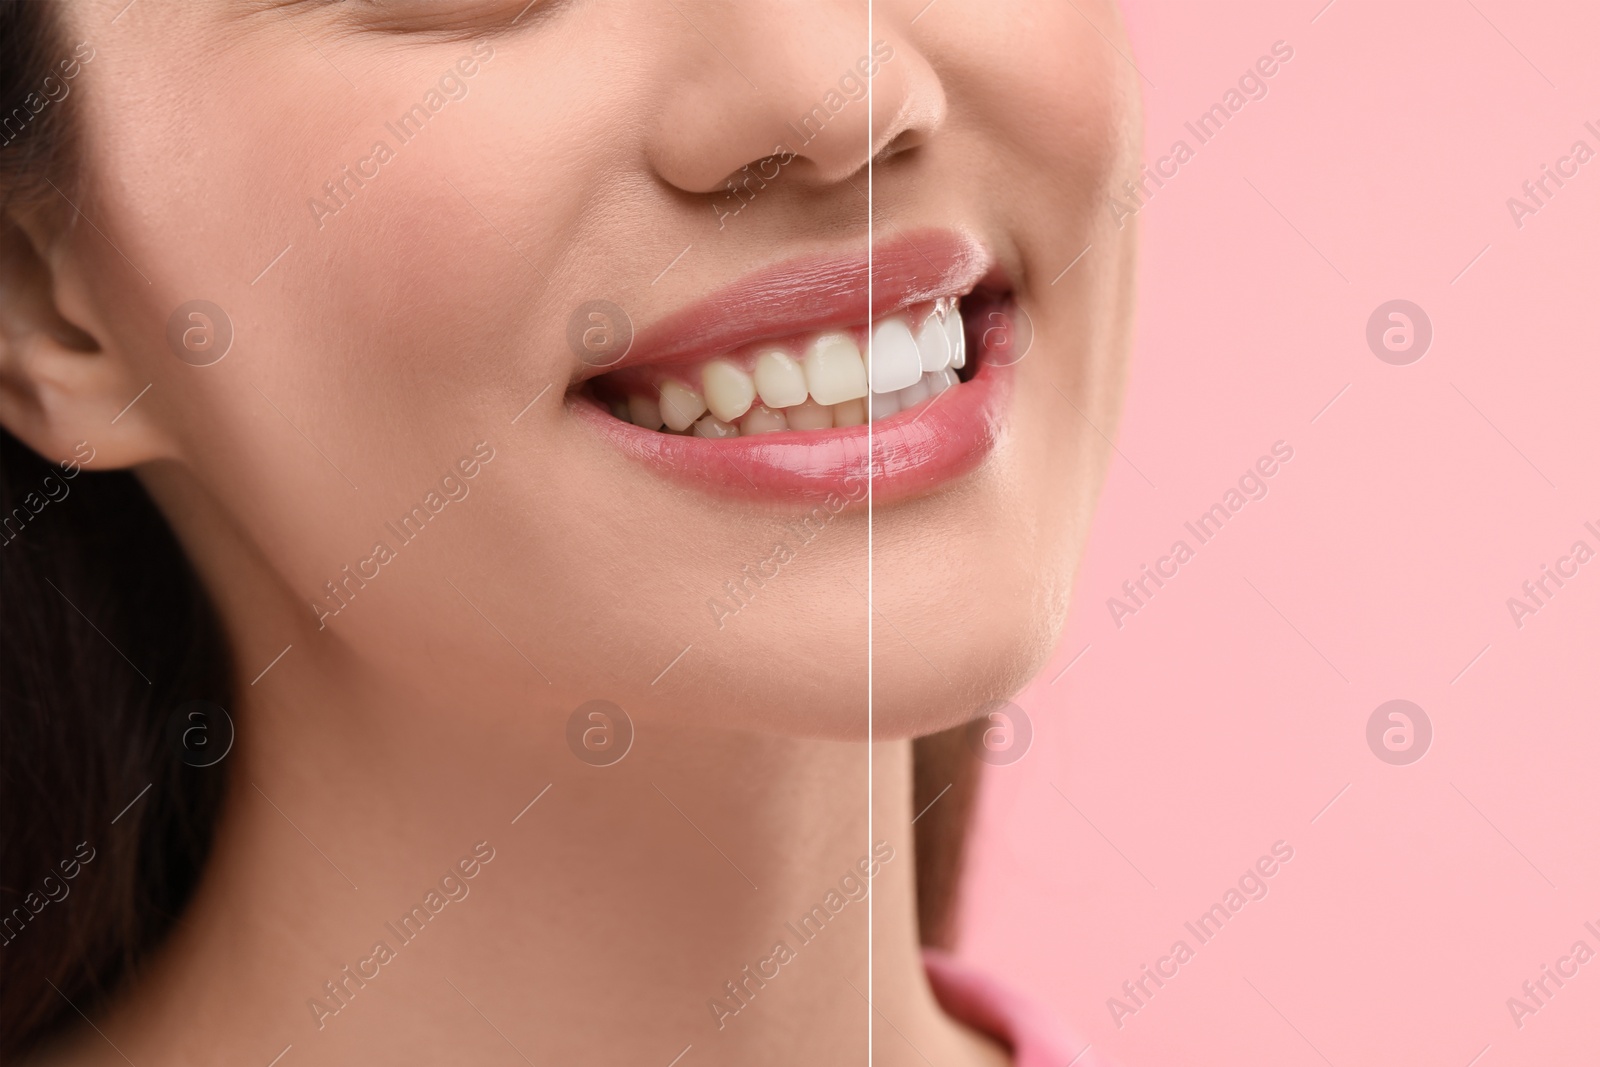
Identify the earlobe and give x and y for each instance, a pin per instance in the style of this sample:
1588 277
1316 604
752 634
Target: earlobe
59 385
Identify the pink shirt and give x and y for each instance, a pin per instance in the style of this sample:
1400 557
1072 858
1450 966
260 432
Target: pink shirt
1033 1035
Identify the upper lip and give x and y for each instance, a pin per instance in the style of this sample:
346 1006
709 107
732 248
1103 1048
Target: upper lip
815 292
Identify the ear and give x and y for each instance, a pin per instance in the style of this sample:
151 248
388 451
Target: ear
60 385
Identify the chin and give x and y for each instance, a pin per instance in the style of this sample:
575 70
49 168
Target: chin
944 651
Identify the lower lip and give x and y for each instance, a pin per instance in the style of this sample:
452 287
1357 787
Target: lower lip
908 454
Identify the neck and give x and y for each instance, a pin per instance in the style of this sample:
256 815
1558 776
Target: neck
392 881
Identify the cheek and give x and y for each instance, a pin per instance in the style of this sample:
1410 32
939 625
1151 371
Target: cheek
1052 95
377 337
459 264
1050 113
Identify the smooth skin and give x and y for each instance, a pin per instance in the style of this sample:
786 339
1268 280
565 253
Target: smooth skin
424 321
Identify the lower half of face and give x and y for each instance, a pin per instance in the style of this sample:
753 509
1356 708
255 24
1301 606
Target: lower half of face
523 404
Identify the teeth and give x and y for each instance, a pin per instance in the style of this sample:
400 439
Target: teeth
850 413
884 405
644 411
957 333
780 381
810 416
762 419
913 394
711 426
831 385
933 344
894 357
833 370
729 390
680 406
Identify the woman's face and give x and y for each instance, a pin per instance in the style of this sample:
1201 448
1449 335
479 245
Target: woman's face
434 226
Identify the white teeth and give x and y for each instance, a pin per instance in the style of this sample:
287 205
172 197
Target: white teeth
850 413
957 333
831 385
762 419
893 355
644 411
833 370
711 426
924 388
810 416
680 405
729 390
780 381
913 394
933 344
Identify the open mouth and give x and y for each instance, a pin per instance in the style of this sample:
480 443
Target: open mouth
813 381
819 375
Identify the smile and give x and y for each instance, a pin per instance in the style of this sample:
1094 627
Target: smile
791 383
803 384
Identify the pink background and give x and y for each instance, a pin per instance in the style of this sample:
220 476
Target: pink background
1207 727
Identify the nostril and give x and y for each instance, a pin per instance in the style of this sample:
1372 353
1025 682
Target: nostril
903 142
766 168
742 185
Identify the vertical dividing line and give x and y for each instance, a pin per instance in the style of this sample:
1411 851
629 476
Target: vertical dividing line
871 925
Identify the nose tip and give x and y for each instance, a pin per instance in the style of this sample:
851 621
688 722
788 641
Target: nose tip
903 142
818 104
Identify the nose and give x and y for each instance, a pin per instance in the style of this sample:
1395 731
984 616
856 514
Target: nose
795 96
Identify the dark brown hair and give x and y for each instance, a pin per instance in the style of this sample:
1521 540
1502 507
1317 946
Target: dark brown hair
105 632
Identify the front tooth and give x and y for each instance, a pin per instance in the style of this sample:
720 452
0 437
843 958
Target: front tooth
939 381
884 405
762 419
933 344
711 426
779 380
957 333
833 370
644 411
680 405
894 360
729 390
850 413
809 416
913 394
